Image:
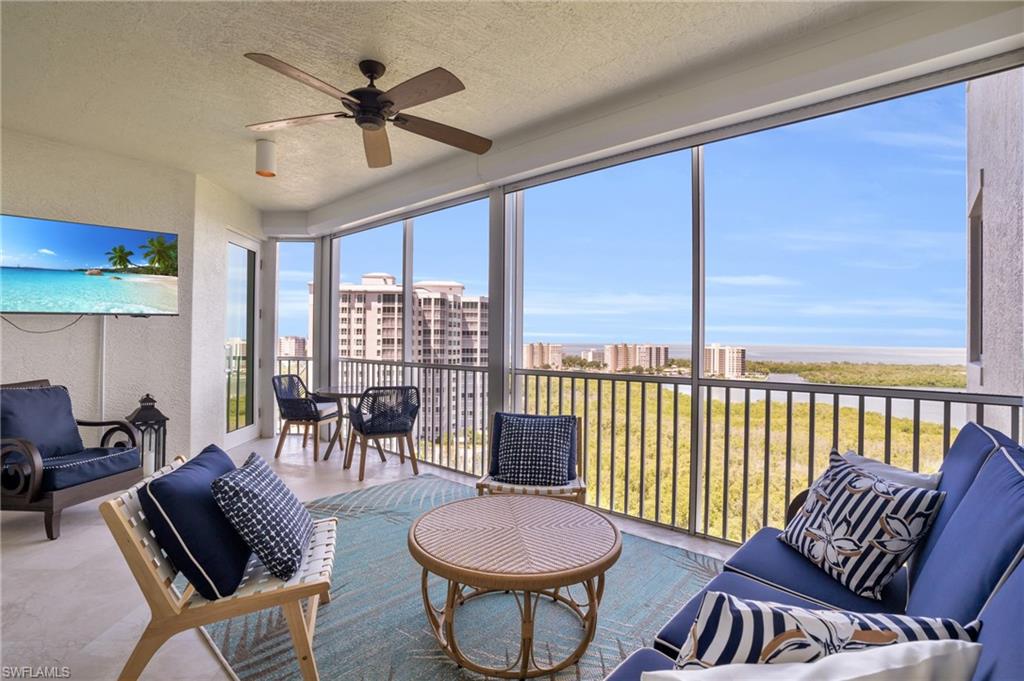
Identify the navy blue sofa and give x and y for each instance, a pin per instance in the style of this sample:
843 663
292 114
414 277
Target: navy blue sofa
45 466
968 567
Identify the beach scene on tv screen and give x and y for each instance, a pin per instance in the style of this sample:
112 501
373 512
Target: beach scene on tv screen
49 266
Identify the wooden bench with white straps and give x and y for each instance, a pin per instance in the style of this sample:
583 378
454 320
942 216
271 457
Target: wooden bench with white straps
173 612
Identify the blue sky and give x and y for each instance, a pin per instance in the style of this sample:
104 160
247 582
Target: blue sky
845 230
52 244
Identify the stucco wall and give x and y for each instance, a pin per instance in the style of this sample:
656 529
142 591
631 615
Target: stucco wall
218 213
177 359
995 134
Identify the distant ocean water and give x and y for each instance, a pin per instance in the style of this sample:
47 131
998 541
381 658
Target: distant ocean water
25 289
821 353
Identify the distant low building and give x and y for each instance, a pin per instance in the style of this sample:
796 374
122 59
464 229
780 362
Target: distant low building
622 356
725 361
592 355
542 356
292 346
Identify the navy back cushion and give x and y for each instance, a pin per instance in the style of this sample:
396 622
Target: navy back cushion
981 541
1002 655
191 528
43 417
496 439
966 455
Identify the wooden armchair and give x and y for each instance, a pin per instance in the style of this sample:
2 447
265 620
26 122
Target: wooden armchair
173 611
49 484
575 490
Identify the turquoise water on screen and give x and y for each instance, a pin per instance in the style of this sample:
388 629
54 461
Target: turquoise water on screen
27 289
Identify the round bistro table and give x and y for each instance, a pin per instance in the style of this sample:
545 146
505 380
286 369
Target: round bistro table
529 546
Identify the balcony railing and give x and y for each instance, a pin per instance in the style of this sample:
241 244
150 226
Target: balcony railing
761 442
451 430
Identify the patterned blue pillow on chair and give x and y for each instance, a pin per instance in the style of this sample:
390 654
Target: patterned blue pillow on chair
534 451
274 524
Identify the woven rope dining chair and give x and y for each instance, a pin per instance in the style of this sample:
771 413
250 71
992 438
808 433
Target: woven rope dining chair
300 407
173 612
383 413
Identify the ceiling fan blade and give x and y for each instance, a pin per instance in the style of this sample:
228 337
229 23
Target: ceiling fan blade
377 147
295 122
299 75
426 87
443 133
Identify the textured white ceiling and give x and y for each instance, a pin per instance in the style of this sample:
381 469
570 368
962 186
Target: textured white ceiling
166 82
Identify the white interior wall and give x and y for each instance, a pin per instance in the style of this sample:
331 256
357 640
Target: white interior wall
179 360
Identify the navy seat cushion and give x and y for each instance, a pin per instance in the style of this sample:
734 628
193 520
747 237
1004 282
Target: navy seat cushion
42 416
766 559
1002 655
496 440
981 541
675 632
191 528
385 423
638 662
68 470
966 455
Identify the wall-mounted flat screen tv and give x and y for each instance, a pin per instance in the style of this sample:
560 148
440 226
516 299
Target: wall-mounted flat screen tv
55 267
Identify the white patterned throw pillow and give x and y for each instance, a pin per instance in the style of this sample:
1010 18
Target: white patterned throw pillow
860 528
534 450
731 630
271 520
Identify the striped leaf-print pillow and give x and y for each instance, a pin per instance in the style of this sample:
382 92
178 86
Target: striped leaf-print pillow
860 528
730 630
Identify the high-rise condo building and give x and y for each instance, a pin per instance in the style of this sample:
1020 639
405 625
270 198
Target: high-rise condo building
448 327
622 356
292 346
725 361
542 356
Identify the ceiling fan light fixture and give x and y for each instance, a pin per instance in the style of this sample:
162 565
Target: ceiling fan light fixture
266 158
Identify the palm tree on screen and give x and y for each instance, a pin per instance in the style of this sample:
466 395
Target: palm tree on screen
161 255
119 257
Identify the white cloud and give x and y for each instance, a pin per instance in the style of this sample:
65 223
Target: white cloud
46 251
752 280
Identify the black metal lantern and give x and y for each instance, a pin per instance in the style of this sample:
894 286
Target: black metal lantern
152 427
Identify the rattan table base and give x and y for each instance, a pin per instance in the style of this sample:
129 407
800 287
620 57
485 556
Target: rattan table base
530 547
525 665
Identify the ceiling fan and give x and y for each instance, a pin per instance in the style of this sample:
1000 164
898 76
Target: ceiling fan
372 108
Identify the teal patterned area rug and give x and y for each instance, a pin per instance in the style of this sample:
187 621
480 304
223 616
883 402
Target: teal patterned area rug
374 628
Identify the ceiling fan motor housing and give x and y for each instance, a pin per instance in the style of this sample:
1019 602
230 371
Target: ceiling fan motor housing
369 114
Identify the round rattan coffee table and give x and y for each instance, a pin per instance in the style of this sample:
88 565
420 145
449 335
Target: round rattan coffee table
528 546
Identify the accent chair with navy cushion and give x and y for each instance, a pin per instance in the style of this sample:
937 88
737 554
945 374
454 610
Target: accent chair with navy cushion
383 413
1002 619
300 407
45 466
575 489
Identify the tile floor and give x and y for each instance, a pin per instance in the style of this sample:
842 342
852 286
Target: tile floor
73 602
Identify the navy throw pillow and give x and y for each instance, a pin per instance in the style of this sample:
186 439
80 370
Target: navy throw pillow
266 514
533 451
43 417
191 528
499 419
